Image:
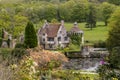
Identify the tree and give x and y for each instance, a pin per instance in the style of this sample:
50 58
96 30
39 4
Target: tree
116 2
107 10
12 21
30 36
91 17
114 57
114 32
65 10
79 12
113 44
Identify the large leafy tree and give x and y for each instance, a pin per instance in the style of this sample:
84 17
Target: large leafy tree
91 17
12 22
114 32
107 10
79 12
30 36
65 10
109 71
116 2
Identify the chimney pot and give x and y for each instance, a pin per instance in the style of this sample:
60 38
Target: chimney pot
75 24
62 22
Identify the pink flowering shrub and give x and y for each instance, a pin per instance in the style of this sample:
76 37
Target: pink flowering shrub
42 58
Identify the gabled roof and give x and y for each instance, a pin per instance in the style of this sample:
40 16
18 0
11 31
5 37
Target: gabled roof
50 29
75 29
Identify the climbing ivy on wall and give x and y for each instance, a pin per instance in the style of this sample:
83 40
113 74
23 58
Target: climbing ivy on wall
76 39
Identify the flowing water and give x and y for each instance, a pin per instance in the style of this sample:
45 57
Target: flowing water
86 64
90 63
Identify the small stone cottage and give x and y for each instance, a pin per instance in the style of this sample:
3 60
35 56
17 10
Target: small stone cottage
52 36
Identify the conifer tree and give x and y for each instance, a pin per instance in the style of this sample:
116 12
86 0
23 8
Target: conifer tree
30 36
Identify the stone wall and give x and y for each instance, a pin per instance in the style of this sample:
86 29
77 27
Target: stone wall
88 53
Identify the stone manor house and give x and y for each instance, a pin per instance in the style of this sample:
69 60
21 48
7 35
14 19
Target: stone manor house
53 35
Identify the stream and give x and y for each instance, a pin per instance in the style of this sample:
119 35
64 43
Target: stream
91 59
85 64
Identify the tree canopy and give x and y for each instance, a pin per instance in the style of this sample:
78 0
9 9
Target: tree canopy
107 9
114 32
14 14
116 2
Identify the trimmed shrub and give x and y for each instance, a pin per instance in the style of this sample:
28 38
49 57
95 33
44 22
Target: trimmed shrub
19 45
53 64
18 52
100 44
107 73
5 52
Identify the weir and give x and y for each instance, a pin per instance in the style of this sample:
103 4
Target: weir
87 60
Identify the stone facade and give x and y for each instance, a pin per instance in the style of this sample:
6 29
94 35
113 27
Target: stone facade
52 36
7 41
76 31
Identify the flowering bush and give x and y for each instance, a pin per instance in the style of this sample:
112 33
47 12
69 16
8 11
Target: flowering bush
25 70
107 73
44 57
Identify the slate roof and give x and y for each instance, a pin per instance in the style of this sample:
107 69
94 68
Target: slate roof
75 29
50 29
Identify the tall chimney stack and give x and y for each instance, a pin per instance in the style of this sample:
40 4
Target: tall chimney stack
75 24
62 22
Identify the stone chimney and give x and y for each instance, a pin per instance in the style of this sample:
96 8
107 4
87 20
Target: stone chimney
45 23
75 24
62 22
10 36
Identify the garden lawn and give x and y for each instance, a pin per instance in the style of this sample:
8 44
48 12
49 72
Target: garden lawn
74 75
99 33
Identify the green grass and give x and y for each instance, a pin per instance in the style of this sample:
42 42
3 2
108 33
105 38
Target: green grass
92 36
5 52
74 75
